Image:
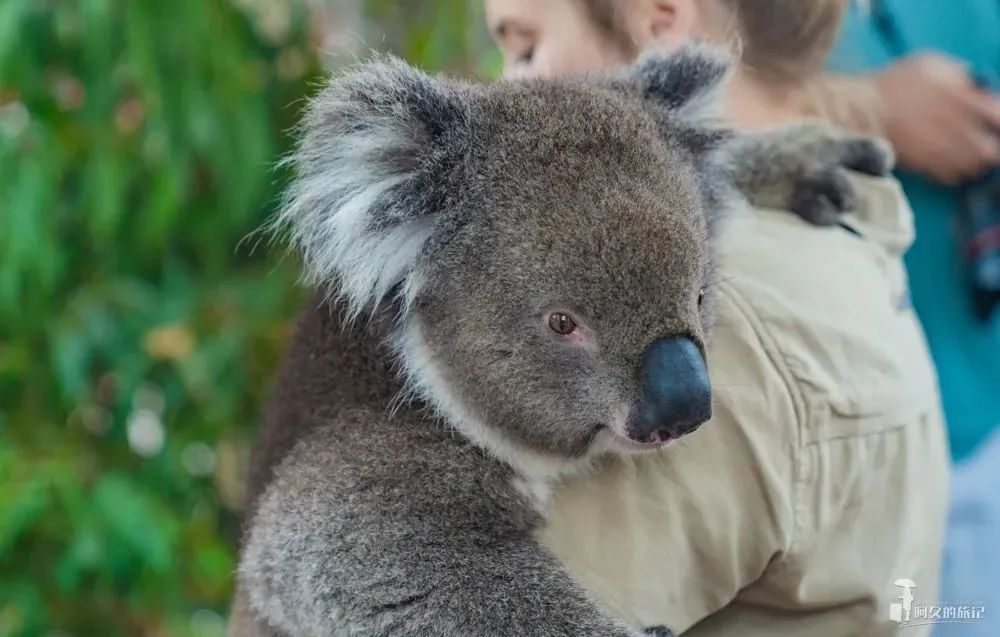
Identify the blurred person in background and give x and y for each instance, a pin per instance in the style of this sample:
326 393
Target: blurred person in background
935 97
926 74
822 478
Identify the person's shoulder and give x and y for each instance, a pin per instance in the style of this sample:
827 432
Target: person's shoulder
830 304
784 266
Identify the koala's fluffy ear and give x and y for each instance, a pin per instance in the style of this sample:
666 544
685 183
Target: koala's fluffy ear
686 81
682 91
370 172
682 88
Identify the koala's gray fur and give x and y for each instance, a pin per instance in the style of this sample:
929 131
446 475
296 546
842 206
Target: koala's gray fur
408 455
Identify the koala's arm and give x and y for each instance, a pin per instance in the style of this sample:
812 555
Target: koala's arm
804 168
342 545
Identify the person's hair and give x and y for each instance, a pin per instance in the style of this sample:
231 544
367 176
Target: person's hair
785 41
782 41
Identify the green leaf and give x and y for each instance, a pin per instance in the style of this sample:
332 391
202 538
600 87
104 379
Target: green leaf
22 502
136 519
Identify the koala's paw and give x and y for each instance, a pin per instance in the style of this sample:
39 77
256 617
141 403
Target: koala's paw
820 197
824 190
805 168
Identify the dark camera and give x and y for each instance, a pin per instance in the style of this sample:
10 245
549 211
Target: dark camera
979 231
979 227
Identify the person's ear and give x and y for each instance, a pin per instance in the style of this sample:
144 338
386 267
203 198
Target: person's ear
666 24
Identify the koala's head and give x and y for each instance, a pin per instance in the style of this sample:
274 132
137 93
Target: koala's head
546 243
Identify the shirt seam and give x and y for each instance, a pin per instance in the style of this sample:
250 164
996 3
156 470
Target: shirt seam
800 405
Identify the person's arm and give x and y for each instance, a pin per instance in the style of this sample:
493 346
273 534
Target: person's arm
669 539
942 124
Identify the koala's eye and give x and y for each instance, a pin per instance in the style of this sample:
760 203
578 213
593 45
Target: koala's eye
701 297
561 324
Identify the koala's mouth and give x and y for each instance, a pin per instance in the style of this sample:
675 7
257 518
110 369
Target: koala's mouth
615 441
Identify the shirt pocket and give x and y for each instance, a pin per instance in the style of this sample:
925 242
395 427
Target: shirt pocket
887 383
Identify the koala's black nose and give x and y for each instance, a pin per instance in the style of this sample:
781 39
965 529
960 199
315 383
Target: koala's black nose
676 394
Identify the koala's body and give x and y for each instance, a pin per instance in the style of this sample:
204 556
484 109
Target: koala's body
512 279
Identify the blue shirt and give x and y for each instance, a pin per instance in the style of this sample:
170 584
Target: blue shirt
966 351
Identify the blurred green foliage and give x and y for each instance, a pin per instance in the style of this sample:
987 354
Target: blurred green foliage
141 317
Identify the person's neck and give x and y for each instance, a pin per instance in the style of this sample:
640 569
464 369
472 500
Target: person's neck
751 103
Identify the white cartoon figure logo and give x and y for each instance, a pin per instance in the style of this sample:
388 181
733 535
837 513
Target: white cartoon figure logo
900 612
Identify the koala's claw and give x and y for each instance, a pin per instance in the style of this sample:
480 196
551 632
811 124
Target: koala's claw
821 198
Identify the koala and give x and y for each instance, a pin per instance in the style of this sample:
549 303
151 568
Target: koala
512 279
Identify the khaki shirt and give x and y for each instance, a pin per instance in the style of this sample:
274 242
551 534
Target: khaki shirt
822 478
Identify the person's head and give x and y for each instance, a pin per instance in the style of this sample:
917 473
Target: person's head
781 42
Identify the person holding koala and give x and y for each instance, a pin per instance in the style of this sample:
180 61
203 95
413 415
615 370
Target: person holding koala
823 476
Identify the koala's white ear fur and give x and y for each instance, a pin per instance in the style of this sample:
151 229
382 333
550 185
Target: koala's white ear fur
369 177
685 82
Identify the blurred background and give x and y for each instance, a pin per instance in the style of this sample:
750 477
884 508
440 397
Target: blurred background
141 317
143 314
